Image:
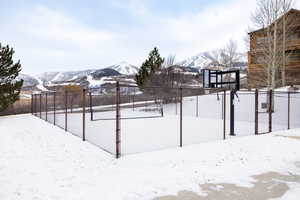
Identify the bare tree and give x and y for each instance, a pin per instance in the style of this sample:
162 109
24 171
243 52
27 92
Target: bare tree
169 61
286 24
272 44
229 54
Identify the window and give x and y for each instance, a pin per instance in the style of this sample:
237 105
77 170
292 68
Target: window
294 55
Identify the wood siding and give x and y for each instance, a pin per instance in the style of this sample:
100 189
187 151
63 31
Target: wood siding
257 71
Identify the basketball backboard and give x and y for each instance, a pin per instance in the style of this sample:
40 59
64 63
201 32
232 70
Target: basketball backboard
221 79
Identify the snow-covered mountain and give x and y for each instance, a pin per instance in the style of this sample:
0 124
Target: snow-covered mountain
122 68
100 76
55 77
29 81
125 68
212 59
46 79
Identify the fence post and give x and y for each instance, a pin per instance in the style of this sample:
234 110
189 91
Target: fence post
91 106
118 136
40 105
46 106
270 109
289 110
32 104
181 117
176 99
256 113
133 99
222 105
83 114
224 115
54 108
232 119
66 110
35 102
197 106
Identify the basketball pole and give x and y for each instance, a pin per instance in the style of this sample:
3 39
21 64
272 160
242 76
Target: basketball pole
211 80
232 113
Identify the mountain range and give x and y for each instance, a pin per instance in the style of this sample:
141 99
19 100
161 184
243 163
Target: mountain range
213 59
194 64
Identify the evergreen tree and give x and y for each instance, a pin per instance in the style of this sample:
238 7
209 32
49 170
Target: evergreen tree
10 87
151 65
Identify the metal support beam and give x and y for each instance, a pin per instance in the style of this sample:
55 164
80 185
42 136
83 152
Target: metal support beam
289 110
46 106
224 115
91 106
118 134
181 117
270 109
256 113
83 114
54 108
232 133
40 105
197 106
66 110
32 104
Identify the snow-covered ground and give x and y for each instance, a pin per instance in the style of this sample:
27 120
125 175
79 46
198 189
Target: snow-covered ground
41 161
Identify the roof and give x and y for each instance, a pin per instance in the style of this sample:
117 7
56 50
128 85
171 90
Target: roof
290 11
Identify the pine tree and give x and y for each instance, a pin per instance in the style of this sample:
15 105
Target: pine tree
10 87
151 65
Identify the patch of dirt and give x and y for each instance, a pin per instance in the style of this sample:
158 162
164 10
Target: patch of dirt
291 137
266 186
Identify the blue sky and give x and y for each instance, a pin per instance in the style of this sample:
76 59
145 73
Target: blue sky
61 35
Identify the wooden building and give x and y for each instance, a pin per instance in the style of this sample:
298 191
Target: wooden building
257 58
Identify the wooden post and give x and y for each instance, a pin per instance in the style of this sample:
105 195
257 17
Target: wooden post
118 136
256 113
224 115
83 114
66 110
270 109
289 110
54 107
181 117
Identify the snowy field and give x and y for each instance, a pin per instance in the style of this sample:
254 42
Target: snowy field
40 161
202 125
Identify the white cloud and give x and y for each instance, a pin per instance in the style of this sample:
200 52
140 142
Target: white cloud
49 40
54 26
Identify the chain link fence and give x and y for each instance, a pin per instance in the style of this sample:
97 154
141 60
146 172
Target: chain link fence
133 120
